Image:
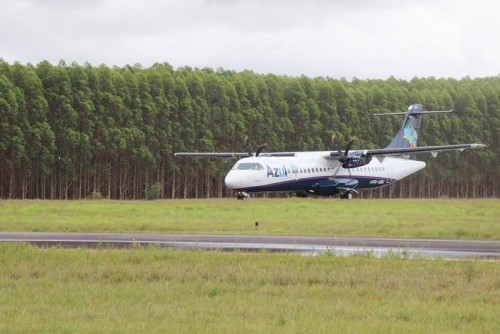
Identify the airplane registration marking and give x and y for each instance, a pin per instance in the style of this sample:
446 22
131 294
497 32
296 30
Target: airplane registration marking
380 182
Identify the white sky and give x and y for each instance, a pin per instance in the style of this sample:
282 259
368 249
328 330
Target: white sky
367 39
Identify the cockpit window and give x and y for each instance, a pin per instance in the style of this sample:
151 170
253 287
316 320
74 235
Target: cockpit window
248 166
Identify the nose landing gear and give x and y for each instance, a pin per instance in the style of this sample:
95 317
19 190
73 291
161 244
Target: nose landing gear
241 195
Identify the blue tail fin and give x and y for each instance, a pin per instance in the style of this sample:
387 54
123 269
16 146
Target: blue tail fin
408 135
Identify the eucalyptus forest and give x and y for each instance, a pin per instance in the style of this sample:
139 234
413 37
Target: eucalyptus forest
82 131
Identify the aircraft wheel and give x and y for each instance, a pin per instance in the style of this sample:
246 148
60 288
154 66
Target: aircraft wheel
348 195
242 195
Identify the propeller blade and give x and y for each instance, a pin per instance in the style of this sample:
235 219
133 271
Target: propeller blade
259 150
336 146
248 147
348 147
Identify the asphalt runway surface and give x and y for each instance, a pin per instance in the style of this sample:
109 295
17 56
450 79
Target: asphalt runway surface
433 248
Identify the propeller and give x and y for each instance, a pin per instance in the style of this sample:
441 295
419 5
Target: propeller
259 150
335 144
343 157
248 147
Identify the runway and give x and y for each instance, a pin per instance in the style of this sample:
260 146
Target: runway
433 248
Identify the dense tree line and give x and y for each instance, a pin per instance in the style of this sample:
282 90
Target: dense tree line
73 131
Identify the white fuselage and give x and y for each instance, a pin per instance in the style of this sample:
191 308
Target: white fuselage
307 169
321 173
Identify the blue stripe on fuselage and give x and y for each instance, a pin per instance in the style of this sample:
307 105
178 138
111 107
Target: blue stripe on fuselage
304 184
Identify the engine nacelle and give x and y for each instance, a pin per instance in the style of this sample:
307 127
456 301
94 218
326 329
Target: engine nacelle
356 159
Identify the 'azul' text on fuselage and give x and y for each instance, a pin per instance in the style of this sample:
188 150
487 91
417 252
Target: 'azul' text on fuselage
281 171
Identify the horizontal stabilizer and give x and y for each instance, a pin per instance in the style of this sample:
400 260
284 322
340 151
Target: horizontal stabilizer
415 113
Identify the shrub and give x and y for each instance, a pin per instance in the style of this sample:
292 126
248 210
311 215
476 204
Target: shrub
96 195
153 191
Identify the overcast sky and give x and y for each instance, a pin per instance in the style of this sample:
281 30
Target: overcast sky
367 39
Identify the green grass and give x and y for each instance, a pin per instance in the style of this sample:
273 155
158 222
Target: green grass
441 218
177 291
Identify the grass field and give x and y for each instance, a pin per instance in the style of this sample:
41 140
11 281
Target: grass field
151 290
173 291
297 216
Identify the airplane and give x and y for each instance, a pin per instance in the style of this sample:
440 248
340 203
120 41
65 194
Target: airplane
332 173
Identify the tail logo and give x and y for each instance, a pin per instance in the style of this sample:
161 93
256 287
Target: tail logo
411 135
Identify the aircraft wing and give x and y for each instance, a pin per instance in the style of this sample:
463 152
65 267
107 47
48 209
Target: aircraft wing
413 150
213 154
374 152
228 155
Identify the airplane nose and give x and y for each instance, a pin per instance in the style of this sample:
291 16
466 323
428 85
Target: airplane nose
233 181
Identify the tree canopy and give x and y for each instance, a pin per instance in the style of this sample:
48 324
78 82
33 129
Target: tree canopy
70 131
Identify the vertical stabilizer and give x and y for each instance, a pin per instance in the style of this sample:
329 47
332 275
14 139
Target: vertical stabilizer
408 135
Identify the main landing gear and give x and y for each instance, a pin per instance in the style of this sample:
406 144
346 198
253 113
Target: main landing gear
241 195
347 195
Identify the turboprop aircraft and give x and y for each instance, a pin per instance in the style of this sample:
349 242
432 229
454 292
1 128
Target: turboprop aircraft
336 172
